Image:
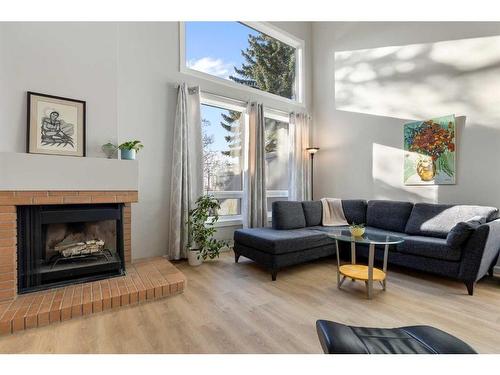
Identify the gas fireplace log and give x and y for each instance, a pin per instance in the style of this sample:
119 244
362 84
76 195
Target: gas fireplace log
79 248
64 246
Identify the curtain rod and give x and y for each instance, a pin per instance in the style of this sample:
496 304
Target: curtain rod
210 95
237 102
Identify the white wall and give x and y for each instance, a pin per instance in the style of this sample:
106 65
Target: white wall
360 131
75 60
127 73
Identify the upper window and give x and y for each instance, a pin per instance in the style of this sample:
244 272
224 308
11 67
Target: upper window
244 55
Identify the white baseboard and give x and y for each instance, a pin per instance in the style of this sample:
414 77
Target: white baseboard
496 270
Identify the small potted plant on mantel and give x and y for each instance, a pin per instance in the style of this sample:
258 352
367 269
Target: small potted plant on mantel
128 150
201 230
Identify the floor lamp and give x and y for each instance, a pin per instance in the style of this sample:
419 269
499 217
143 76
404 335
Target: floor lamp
312 151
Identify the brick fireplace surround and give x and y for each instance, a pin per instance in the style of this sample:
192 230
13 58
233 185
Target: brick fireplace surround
145 280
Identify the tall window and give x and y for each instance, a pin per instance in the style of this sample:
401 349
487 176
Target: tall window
222 156
277 158
223 127
244 54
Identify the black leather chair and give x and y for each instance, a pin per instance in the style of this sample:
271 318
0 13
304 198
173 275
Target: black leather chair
339 338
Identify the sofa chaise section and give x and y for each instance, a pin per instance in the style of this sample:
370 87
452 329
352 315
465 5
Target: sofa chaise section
296 235
290 243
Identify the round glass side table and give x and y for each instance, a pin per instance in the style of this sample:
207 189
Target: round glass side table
367 273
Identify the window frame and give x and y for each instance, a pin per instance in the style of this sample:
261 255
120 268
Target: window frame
241 106
234 105
283 117
272 31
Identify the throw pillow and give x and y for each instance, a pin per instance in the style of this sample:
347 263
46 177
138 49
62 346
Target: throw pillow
460 233
477 220
288 215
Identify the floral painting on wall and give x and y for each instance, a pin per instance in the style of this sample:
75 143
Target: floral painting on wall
430 148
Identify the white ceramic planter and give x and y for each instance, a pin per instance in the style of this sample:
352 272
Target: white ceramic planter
193 258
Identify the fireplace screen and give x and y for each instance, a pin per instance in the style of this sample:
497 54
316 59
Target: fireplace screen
68 244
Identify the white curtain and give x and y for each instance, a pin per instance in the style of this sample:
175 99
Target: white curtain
254 208
300 173
187 172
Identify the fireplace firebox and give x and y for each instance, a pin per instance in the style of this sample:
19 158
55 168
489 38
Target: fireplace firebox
66 244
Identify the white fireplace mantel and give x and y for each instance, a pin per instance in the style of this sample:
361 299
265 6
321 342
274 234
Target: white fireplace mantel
20 171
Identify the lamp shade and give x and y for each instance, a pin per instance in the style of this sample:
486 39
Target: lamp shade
312 150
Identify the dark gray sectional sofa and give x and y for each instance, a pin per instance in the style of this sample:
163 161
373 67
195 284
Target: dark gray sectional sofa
297 236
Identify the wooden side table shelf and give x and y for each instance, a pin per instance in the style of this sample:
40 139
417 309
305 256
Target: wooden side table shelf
367 273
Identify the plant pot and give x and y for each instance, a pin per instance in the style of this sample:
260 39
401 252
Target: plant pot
194 258
128 154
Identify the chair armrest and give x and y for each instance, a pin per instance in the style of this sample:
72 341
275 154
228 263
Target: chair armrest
480 251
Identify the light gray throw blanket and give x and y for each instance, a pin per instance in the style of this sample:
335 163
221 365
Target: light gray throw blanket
333 213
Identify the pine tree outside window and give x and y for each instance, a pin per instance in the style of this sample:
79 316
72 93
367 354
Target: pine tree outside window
254 56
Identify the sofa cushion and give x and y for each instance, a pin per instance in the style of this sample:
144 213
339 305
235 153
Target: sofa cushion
288 215
477 220
313 212
429 247
390 215
354 210
436 220
460 233
281 241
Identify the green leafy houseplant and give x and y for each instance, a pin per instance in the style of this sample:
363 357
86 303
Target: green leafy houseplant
131 145
128 150
201 228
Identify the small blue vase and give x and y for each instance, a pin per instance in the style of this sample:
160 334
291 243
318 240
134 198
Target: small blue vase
127 154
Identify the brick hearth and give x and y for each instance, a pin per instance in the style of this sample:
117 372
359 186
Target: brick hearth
145 280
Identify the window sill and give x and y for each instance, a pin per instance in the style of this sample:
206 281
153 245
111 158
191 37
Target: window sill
229 222
236 221
242 88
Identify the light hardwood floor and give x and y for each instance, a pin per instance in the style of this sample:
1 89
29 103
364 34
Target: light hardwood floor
235 308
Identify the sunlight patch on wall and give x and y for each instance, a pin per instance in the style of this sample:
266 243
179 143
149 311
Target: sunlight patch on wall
387 173
422 80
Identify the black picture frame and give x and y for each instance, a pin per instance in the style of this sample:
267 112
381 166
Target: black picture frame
29 129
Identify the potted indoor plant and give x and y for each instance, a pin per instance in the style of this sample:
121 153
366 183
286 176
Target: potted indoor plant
128 150
201 230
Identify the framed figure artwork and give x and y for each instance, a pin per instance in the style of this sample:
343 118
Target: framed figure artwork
56 125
